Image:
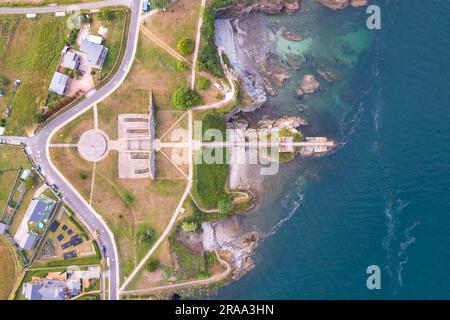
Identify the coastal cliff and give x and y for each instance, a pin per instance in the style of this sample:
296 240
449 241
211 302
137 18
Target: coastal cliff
249 38
341 4
263 6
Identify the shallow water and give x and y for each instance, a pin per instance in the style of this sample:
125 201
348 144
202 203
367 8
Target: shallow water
383 197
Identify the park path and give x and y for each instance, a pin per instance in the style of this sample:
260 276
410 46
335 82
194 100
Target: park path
197 43
192 283
163 45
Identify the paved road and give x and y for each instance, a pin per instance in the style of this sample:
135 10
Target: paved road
52 9
37 146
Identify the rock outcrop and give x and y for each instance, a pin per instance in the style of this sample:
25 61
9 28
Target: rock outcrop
227 235
263 6
274 75
341 4
309 84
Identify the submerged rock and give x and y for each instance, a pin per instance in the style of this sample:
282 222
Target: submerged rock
309 84
294 61
327 75
291 36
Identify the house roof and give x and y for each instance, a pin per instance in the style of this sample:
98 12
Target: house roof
38 211
3 228
59 83
96 53
27 241
45 290
70 60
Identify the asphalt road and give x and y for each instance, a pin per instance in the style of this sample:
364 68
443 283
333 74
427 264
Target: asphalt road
37 146
72 7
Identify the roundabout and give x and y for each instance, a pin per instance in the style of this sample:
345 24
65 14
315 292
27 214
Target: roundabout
93 145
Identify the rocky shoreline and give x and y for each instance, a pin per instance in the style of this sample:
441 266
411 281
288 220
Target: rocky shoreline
242 33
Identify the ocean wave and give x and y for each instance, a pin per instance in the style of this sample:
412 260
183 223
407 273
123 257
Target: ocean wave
291 202
397 242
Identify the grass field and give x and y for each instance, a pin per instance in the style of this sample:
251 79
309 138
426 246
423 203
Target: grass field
37 2
30 51
79 171
131 207
210 179
7 179
8 268
11 160
179 21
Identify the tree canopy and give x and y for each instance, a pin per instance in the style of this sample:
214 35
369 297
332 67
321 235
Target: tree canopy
185 46
184 98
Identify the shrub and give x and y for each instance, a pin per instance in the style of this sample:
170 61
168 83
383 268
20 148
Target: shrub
187 226
185 46
203 83
152 265
225 204
185 98
72 36
146 236
83 175
3 81
128 198
182 66
107 15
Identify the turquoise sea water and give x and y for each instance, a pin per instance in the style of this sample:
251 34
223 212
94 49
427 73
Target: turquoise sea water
383 197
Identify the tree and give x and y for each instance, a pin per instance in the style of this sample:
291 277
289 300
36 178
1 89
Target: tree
185 46
203 83
83 175
184 98
225 205
146 236
152 265
182 66
3 81
107 15
187 226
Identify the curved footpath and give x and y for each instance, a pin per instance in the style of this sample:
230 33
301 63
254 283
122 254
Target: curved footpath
37 146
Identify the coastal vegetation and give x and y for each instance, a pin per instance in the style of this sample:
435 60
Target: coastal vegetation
185 46
208 56
210 179
203 83
184 98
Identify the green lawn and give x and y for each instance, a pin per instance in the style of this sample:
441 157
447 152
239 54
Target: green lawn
30 50
113 39
11 160
210 179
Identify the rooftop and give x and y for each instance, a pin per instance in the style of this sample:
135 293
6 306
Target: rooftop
58 84
96 53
